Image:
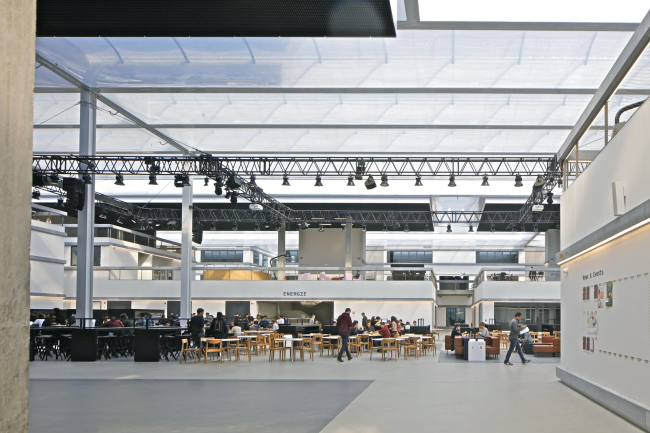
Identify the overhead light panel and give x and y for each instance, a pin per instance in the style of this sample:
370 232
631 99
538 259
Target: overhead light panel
318 181
384 180
485 181
538 207
452 181
370 182
255 206
285 181
418 181
119 180
181 180
518 182
350 180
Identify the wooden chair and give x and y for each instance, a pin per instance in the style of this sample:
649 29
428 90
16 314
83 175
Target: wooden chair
504 340
334 346
245 347
327 344
388 345
259 344
299 347
277 345
318 342
213 345
194 352
428 344
309 346
535 337
412 344
232 347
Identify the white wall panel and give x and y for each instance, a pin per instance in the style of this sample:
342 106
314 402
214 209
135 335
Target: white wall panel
404 310
518 290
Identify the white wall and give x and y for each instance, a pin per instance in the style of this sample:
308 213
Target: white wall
587 204
518 290
621 360
405 310
327 248
46 277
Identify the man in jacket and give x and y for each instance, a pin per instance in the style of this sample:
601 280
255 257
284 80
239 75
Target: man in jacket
344 322
364 320
515 329
197 327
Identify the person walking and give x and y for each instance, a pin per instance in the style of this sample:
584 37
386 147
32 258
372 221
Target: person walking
515 329
197 327
344 322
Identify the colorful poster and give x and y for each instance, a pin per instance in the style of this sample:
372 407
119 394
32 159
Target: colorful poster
596 290
610 294
591 346
588 349
587 290
601 296
584 344
592 322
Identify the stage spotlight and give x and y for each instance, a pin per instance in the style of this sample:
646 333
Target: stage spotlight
448 228
385 228
426 228
452 181
227 194
206 181
257 227
304 225
278 226
102 215
342 227
181 180
285 181
152 179
418 181
549 197
518 181
59 201
234 226
320 228
233 197
384 180
370 182
233 183
485 181
88 179
492 229
213 227
471 228
119 220
267 224
396 226
318 181
36 194
536 228
406 228
252 181
363 228
119 180
350 180
217 189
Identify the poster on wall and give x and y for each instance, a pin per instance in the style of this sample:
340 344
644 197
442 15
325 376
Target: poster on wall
610 294
584 344
592 322
591 346
587 290
596 292
601 296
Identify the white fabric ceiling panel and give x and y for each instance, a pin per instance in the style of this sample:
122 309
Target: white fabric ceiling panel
413 59
63 108
462 109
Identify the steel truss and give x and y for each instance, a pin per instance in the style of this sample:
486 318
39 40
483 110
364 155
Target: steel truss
211 166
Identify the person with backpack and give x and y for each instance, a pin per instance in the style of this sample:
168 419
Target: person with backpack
219 327
197 327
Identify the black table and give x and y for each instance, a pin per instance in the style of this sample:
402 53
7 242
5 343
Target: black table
148 344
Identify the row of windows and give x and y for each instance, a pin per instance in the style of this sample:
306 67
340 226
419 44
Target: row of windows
497 257
260 259
222 256
97 259
410 257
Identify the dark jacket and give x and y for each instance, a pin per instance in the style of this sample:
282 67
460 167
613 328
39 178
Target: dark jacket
265 323
364 322
219 328
454 334
344 322
197 323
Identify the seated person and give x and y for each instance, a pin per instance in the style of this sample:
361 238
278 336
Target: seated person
354 330
264 323
254 325
39 322
113 323
454 333
385 333
483 331
235 329
407 327
275 326
369 329
357 275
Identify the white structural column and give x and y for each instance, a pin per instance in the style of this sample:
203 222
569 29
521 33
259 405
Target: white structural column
86 217
348 246
282 249
186 252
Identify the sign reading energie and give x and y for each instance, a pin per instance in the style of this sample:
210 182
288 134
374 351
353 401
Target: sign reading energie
294 293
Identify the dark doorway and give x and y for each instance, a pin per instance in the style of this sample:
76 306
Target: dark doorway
174 307
241 307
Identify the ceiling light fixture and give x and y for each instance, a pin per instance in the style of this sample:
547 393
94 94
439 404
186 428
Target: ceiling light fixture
304 225
370 182
88 179
518 180
396 226
278 226
252 180
318 181
418 181
426 228
363 228
102 215
257 227
206 181
59 201
549 197
342 227
234 226
452 181
492 229
320 228
233 197
181 180
448 228
119 220
285 180
119 180
384 181
471 228
485 181
152 179
213 227
232 182
36 194
350 180
406 228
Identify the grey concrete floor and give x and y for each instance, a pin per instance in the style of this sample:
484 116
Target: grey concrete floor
321 395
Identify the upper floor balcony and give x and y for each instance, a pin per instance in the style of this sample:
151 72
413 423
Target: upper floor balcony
506 284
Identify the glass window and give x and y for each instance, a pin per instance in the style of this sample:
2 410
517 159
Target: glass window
256 257
98 256
222 256
293 257
410 256
455 315
497 257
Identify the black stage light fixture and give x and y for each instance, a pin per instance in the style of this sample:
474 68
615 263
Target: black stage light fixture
406 228
304 225
363 228
448 228
59 201
102 215
384 180
471 228
549 197
213 227
539 182
233 197
88 179
485 181
234 226
206 181
518 180
342 227
120 220
418 181
396 226
385 228
452 181
227 194
536 228
197 236
181 180
514 228
119 180
257 227
267 224
426 228
36 194
157 223
252 180
40 179
320 228
559 182
217 189
350 180
233 182
285 180
152 179
370 182
278 226
54 178
492 229
318 181
361 168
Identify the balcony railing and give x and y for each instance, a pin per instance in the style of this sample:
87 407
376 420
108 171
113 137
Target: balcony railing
532 273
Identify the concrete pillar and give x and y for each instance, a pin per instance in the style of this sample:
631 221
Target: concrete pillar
348 246
17 29
186 252
282 249
86 217
552 247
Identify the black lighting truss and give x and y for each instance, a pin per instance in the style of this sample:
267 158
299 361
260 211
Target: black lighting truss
209 165
203 165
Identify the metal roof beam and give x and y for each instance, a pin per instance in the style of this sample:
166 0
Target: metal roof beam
315 126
